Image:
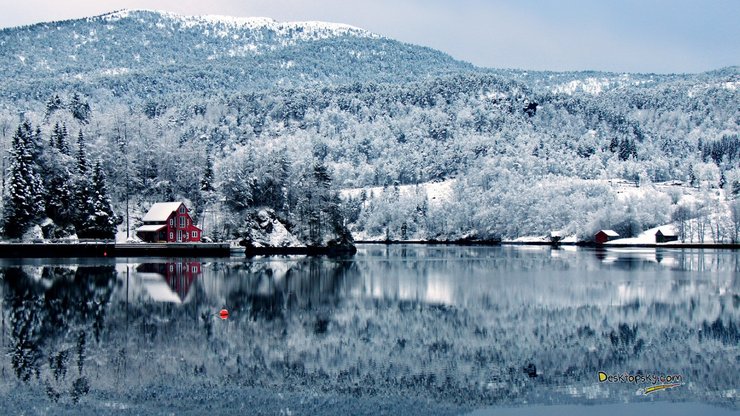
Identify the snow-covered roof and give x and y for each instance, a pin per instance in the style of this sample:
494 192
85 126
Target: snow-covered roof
150 228
610 233
666 232
161 211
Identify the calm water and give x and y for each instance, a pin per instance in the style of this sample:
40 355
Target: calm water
396 329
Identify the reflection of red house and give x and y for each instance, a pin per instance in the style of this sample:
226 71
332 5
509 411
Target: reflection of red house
168 222
179 276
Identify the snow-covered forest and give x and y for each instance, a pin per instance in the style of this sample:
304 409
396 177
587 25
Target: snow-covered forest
233 115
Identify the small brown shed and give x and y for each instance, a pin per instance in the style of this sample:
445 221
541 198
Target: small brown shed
605 235
665 236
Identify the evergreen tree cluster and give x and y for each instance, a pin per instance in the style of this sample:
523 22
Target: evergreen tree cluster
45 181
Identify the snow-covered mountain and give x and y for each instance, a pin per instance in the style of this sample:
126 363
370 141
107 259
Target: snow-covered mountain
153 53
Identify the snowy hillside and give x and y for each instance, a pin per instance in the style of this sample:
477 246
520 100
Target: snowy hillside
150 53
241 114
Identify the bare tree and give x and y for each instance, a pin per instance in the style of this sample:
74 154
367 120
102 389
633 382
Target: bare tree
735 216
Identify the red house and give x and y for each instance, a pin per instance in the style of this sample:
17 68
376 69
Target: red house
168 222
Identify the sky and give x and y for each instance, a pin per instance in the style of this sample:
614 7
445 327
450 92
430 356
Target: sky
661 36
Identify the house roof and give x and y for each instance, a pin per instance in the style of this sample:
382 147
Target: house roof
161 211
150 228
667 233
610 233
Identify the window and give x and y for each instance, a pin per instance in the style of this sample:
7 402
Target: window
182 222
182 209
172 222
195 234
172 235
195 269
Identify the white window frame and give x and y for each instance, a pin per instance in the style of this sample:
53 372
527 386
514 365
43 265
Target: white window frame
172 222
182 209
172 235
195 234
182 222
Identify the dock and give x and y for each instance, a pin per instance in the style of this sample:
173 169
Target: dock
111 249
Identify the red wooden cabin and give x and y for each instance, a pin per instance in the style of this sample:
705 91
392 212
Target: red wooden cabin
168 222
605 235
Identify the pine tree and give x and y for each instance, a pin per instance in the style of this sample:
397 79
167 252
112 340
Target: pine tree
96 218
692 175
53 104
59 139
24 202
206 183
81 154
80 109
60 202
105 220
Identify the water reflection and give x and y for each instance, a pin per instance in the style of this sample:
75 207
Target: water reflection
468 325
170 281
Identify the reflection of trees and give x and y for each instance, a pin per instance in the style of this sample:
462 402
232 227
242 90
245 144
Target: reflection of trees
311 284
315 324
26 323
44 313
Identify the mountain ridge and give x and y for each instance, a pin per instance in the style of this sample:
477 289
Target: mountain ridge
165 48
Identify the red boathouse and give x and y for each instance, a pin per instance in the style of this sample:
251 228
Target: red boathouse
169 222
605 235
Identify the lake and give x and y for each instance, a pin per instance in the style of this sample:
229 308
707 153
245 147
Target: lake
399 329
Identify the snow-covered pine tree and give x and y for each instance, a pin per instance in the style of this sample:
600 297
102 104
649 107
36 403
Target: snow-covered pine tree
59 139
24 202
95 217
53 104
83 189
206 183
79 108
60 204
81 154
103 221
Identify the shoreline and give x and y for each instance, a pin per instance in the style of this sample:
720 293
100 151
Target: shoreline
110 249
729 246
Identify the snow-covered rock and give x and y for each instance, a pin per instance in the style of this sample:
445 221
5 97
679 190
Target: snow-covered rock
266 230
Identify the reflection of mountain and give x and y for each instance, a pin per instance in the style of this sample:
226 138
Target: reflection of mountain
171 281
473 325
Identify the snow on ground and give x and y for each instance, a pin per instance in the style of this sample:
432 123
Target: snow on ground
532 239
437 192
647 236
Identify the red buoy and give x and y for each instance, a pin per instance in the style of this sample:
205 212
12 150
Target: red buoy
224 314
